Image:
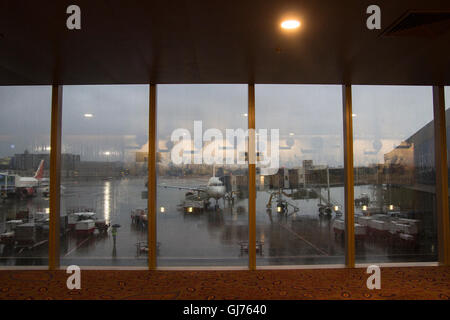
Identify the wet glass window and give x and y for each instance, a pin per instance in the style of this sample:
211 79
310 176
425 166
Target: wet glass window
24 174
300 175
394 173
202 192
104 175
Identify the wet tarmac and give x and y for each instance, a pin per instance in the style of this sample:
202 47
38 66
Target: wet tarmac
210 238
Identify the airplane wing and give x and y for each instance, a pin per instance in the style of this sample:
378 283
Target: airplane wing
197 188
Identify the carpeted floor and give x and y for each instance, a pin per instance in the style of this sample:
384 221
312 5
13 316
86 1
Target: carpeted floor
396 283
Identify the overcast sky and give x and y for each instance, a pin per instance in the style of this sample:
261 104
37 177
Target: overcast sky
309 117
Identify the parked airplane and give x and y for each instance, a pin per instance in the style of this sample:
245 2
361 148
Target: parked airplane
13 184
214 189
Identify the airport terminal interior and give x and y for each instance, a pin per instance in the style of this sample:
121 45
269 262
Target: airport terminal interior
224 150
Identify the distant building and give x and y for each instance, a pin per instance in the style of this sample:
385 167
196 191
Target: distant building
399 164
424 157
27 163
307 164
414 158
99 169
4 163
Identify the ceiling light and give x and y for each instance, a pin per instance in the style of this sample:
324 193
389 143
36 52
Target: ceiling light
88 115
290 24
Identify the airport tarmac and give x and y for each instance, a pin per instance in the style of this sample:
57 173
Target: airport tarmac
210 238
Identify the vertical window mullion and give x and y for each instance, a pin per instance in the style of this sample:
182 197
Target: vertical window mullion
55 178
151 162
440 143
348 177
251 179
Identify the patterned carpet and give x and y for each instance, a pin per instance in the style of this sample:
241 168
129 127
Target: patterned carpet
396 283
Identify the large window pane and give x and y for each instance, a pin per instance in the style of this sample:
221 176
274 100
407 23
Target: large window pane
299 206
394 173
24 147
104 175
202 197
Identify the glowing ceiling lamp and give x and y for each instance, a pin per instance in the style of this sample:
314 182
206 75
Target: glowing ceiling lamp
290 24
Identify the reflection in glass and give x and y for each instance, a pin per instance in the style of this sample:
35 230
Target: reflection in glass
299 210
202 192
394 173
104 175
24 170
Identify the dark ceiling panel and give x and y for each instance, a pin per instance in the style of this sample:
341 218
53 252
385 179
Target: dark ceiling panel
168 41
420 24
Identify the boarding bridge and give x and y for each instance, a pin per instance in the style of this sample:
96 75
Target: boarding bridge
7 184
